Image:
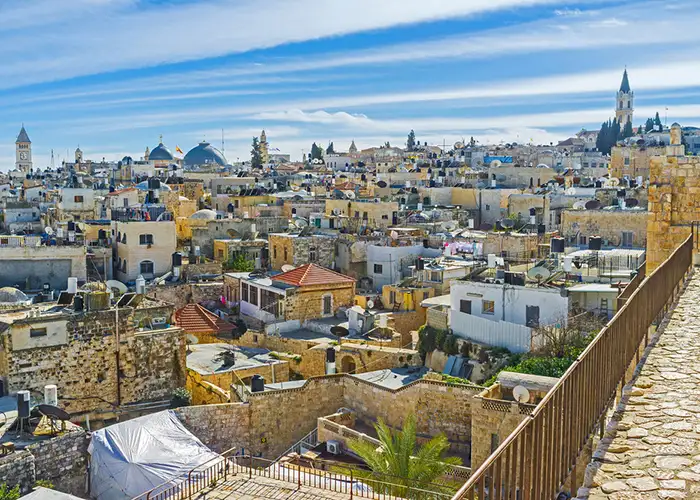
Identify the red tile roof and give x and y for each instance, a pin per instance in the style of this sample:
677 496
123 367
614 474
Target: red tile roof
194 318
311 274
120 191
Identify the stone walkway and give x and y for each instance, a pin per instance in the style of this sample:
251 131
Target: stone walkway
651 449
261 488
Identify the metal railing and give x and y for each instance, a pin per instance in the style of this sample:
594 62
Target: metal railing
540 457
339 479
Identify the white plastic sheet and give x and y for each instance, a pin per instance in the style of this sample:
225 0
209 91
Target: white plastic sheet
132 457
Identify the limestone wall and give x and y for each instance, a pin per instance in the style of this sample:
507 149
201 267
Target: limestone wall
608 224
185 293
673 192
18 469
307 302
61 460
492 422
220 427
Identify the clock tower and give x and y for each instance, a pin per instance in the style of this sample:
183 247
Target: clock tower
23 147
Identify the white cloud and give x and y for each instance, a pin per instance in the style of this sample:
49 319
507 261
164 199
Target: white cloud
127 35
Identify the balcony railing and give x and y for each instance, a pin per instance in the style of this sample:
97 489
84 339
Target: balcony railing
541 455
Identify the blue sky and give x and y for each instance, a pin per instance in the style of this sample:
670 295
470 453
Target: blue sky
112 75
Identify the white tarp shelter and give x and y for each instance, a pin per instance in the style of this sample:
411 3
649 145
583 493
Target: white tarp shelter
132 457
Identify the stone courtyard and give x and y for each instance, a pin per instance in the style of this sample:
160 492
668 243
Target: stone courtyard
651 449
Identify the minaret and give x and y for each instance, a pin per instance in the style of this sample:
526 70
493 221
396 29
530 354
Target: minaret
624 107
264 148
147 154
78 156
23 150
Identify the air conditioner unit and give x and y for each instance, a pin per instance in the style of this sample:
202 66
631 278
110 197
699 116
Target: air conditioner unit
334 447
160 321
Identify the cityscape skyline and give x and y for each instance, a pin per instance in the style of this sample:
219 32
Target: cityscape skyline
500 71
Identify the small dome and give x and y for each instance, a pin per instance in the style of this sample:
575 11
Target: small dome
9 295
143 186
204 154
160 152
204 214
676 124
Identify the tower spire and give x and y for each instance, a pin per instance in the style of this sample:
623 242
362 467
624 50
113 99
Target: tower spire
625 85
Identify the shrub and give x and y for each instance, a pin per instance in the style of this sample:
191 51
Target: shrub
449 346
180 397
7 493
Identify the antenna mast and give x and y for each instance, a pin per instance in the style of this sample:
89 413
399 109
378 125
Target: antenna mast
52 160
223 150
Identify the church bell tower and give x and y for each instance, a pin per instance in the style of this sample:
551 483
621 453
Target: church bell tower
23 150
624 108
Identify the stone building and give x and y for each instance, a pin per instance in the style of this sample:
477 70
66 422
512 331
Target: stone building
673 191
103 359
299 249
307 292
370 213
202 324
618 228
632 161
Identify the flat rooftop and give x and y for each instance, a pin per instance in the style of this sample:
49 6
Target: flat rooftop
393 378
202 358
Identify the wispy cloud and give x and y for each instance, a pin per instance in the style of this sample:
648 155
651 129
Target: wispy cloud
131 37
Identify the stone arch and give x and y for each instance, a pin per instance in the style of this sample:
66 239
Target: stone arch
347 364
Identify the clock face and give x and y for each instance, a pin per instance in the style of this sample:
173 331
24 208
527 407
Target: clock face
23 155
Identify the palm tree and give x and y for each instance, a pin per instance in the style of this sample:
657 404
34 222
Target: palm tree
402 462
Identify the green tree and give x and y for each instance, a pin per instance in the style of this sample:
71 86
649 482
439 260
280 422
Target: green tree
657 122
411 142
640 130
238 262
449 346
7 493
330 149
404 462
649 125
180 397
627 131
255 154
316 152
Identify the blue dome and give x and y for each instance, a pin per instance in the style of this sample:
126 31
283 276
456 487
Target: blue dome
204 154
160 152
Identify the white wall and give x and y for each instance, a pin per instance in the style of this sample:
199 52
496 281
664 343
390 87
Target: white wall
390 258
515 338
56 334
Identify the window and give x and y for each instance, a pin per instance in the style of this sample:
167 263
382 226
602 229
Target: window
604 306
37 332
436 276
235 203
392 297
627 160
124 266
146 267
627 238
465 306
488 306
494 442
385 217
221 253
532 316
244 292
357 215
124 238
327 305
426 295
488 207
145 239
583 240
274 252
254 295
78 199
269 302
312 254
364 215
377 269
285 255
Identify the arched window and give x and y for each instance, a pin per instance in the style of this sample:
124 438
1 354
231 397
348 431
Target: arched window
124 238
146 267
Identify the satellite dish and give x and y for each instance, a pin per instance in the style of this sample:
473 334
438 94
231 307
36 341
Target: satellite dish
507 223
381 184
48 230
521 394
495 163
370 304
340 331
539 274
349 195
613 182
459 145
579 205
394 235
593 205
287 267
631 202
116 285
